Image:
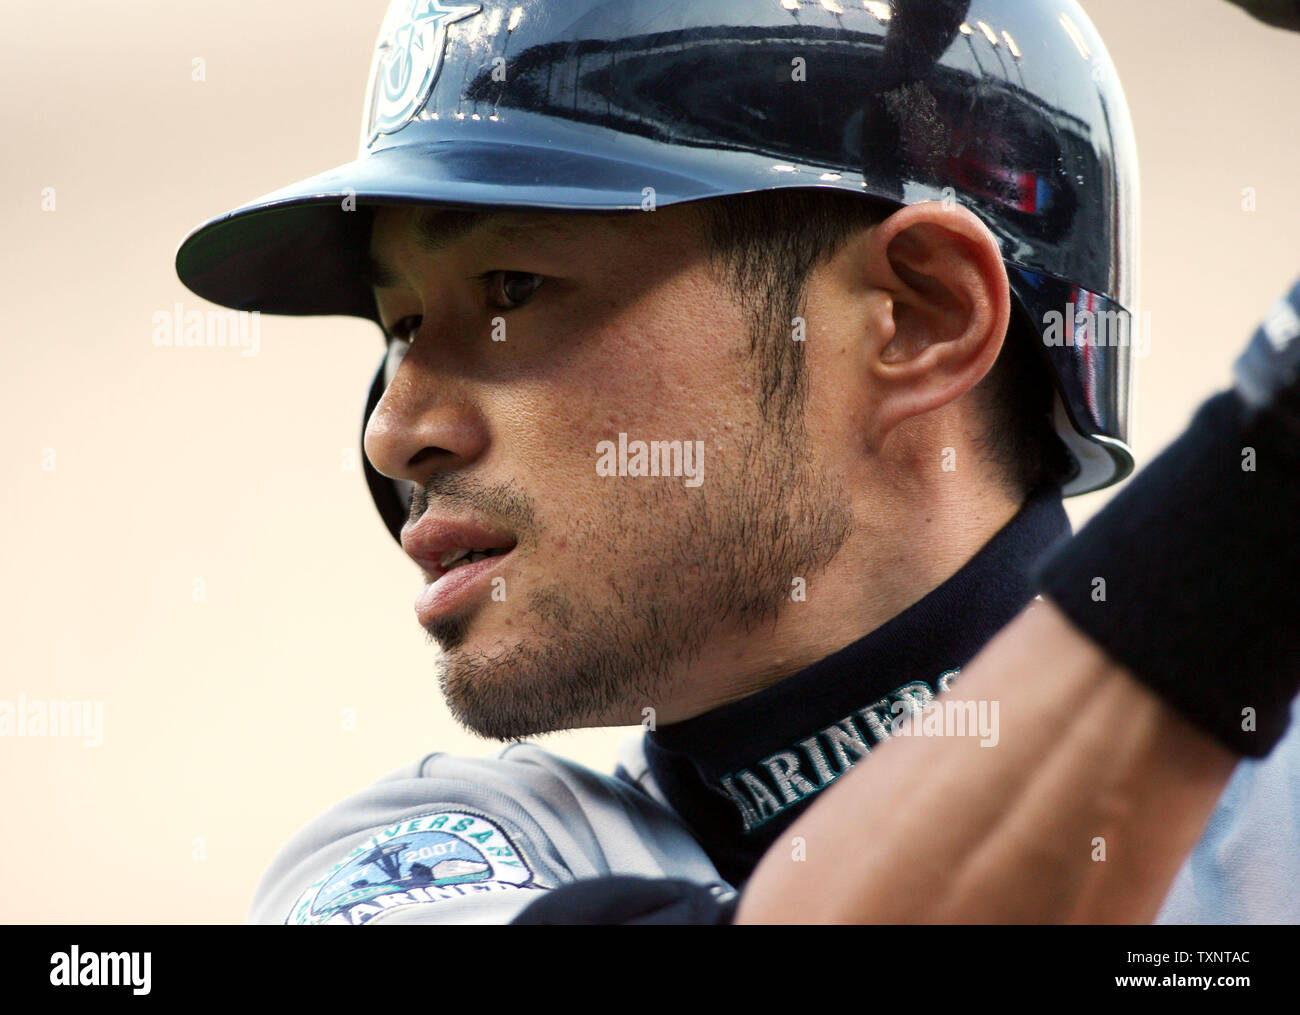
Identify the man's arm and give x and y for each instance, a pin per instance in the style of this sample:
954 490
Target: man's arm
1082 812
1162 656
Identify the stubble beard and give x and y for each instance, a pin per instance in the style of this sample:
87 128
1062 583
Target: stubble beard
723 553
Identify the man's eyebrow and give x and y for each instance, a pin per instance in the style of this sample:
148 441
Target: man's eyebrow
438 228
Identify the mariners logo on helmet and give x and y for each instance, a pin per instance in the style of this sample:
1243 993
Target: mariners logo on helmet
407 60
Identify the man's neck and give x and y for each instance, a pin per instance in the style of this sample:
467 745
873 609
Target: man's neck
897 554
740 773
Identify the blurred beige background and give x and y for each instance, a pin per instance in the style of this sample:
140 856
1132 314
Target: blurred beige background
187 538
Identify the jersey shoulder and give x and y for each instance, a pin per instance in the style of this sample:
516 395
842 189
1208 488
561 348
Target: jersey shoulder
455 839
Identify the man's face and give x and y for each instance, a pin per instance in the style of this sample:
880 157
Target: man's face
536 338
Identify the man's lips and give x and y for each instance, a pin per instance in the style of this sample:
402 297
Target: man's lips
429 540
453 589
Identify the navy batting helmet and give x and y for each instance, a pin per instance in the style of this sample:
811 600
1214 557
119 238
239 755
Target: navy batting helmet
1009 107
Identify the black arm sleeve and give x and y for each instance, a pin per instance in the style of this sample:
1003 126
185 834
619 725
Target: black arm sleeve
619 901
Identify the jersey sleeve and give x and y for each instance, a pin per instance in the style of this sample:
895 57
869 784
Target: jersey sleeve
473 840
1245 869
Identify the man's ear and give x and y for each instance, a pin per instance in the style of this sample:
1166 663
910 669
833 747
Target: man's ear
945 315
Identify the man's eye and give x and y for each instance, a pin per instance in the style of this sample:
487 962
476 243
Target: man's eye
509 289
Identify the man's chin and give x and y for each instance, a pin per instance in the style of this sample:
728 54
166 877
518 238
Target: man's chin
513 692
505 714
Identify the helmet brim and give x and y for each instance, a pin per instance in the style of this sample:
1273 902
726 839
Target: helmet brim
301 249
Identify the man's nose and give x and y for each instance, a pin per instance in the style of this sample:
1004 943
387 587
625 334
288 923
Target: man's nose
424 423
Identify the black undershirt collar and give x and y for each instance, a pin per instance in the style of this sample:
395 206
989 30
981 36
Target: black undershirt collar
743 773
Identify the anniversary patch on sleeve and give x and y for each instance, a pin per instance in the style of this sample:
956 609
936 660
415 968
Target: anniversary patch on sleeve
431 858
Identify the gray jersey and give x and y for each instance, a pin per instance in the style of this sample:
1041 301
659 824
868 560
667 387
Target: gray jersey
473 840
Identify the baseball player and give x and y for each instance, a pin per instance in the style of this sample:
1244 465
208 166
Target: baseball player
738 356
